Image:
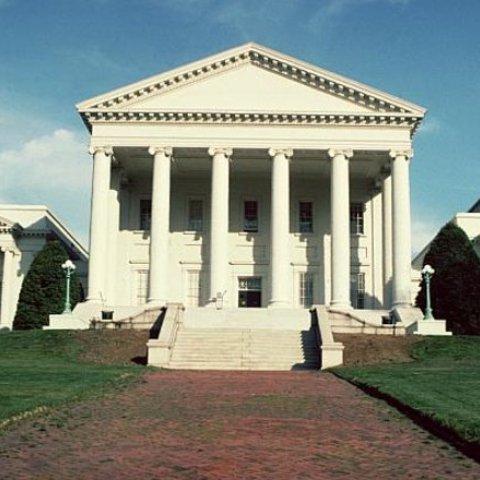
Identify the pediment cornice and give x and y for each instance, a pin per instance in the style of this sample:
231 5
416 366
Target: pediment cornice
258 118
7 226
116 105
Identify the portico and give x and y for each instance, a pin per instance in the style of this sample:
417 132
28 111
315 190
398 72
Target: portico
250 164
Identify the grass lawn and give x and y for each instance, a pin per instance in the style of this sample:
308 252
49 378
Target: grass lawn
442 382
47 368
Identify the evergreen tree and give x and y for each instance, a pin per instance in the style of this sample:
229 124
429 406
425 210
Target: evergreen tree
455 286
43 289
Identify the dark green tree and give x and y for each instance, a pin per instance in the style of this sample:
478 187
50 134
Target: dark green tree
43 289
455 286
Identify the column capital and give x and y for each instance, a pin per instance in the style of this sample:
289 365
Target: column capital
287 152
227 151
406 152
160 150
344 152
106 149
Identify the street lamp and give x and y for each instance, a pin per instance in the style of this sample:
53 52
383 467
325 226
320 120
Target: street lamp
68 268
427 273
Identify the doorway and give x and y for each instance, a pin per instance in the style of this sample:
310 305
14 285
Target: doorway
249 292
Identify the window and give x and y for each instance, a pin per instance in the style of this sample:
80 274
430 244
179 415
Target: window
145 214
195 215
306 290
142 286
357 290
305 217
250 216
194 288
356 219
249 292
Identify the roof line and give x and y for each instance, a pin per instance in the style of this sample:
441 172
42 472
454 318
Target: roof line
251 46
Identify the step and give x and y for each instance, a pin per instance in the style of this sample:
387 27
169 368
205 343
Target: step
223 366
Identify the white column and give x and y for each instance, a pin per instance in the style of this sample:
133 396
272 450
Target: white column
160 225
219 223
340 227
97 264
401 274
113 229
280 227
387 239
7 280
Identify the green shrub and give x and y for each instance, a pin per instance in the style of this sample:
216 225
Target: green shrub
455 286
43 289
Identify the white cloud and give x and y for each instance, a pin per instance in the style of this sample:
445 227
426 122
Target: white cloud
52 169
329 9
423 232
92 57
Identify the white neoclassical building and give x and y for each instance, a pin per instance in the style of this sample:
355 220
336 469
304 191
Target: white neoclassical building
24 230
249 179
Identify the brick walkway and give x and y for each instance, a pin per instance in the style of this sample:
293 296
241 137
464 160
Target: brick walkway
212 425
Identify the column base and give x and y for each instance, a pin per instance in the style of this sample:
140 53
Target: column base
340 305
401 305
152 302
279 304
219 304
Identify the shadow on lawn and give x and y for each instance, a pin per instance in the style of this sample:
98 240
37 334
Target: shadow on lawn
469 448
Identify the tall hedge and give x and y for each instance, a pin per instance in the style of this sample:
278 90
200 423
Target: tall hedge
43 289
455 286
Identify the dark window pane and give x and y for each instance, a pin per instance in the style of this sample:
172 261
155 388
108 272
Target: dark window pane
195 215
306 217
145 214
357 219
250 216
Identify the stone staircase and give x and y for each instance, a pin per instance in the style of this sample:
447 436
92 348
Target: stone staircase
244 349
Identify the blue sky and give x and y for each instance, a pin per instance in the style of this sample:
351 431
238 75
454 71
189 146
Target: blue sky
54 53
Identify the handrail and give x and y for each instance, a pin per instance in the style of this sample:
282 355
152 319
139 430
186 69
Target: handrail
160 349
354 317
331 351
125 320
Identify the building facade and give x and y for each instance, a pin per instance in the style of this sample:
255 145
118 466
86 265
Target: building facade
469 222
250 179
24 230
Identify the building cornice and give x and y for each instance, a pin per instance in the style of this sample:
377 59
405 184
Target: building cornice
117 105
251 118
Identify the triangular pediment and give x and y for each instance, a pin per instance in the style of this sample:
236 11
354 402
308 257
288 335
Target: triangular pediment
250 78
247 88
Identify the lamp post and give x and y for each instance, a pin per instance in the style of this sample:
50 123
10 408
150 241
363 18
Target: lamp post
68 268
427 273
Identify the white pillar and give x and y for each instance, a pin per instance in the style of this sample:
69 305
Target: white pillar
113 229
160 225
97 264
6 319
401 274
387 239
340 227
219 224
280 228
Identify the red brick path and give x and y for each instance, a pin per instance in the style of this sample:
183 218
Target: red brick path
241 425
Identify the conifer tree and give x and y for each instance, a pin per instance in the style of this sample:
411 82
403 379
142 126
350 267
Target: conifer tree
43 289
455 286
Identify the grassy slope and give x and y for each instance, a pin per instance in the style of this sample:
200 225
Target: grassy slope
40 368
443 381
